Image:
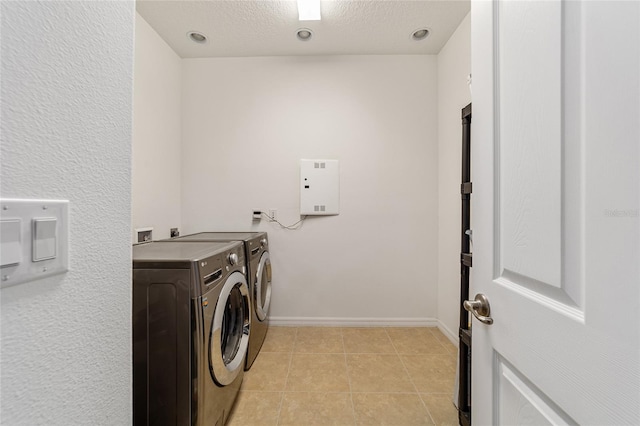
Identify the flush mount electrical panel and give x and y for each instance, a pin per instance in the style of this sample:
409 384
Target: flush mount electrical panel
319 187
34 239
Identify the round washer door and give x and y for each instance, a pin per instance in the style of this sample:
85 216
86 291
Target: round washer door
229 336
262 288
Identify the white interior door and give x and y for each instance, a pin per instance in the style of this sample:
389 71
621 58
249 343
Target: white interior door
555 154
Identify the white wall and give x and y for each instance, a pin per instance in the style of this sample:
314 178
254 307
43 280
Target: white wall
454 65
246 124
156 134
66 133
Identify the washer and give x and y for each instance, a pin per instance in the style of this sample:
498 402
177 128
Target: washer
191 327
259 276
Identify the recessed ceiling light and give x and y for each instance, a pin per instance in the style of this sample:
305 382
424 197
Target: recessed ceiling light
197 37
304 34
420 34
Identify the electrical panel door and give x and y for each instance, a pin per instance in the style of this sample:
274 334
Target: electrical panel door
319 187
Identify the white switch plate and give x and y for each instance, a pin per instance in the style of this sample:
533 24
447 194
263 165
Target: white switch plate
44 238
27 212
11 242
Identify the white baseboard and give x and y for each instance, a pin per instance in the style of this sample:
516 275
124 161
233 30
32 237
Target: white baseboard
450 334
352 322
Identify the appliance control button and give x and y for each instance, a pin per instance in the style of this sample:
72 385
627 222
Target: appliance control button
233 258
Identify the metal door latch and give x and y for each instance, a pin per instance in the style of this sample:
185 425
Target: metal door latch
480 308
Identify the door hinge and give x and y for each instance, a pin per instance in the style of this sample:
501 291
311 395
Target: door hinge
466 259
466 189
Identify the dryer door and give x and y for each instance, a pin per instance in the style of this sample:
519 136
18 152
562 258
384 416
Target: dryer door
262 288
229 335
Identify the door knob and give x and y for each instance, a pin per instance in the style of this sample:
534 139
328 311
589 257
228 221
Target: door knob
480 308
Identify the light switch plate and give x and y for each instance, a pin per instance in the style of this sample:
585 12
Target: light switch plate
46 257
11 242
45 238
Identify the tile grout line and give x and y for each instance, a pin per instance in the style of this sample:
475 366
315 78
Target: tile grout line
346 365
410 378
438 340
286 380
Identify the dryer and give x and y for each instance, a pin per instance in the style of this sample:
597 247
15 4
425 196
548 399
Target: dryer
259 277
191 327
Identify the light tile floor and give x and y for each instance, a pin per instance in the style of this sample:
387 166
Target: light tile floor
349 376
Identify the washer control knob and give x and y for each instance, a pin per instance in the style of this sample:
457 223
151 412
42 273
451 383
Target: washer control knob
233 259
263 242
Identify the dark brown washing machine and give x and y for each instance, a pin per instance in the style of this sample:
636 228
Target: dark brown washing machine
258 275
191 326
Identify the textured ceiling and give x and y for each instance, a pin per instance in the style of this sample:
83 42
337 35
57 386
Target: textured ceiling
268 27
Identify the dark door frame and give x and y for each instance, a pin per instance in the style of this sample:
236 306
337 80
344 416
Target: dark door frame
464 361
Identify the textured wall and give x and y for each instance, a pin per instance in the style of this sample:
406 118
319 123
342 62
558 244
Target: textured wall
66 133
156 134
454 65
246 124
